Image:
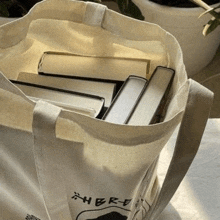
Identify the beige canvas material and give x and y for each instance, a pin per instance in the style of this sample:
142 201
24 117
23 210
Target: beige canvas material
59 164
53 190
51 175
22 37
93 66
179 164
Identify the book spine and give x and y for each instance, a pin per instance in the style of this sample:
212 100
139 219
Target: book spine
126 100
57 89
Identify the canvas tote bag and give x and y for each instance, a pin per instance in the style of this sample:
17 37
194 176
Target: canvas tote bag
58 164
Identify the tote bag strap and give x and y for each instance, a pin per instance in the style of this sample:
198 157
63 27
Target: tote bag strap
49 173
188 140
6 85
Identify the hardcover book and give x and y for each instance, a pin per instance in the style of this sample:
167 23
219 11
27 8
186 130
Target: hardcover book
139 102
154 96
83 103
126 100
92 67
106 90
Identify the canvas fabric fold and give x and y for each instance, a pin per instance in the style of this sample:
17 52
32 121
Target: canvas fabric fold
59 164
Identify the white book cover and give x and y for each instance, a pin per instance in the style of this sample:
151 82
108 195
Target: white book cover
94 67
84 111
87 103
125 101
152 96
103 89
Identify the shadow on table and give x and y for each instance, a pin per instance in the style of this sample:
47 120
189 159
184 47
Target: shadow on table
169 213
203 176
202 185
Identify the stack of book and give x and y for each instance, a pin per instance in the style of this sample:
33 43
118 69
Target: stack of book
85 96
139 101
135 101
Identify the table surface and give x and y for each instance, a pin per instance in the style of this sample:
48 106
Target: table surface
198 196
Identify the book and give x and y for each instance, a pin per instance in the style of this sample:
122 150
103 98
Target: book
154 97
139 102
79 102
126 100
106 90
108 68
85 111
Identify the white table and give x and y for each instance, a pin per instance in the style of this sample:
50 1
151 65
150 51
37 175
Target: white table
198 197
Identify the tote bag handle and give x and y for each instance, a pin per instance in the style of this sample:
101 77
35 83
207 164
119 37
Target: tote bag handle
193 124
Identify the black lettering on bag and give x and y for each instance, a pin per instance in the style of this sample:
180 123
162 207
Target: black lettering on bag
84 199
126 202
99 201
113 200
